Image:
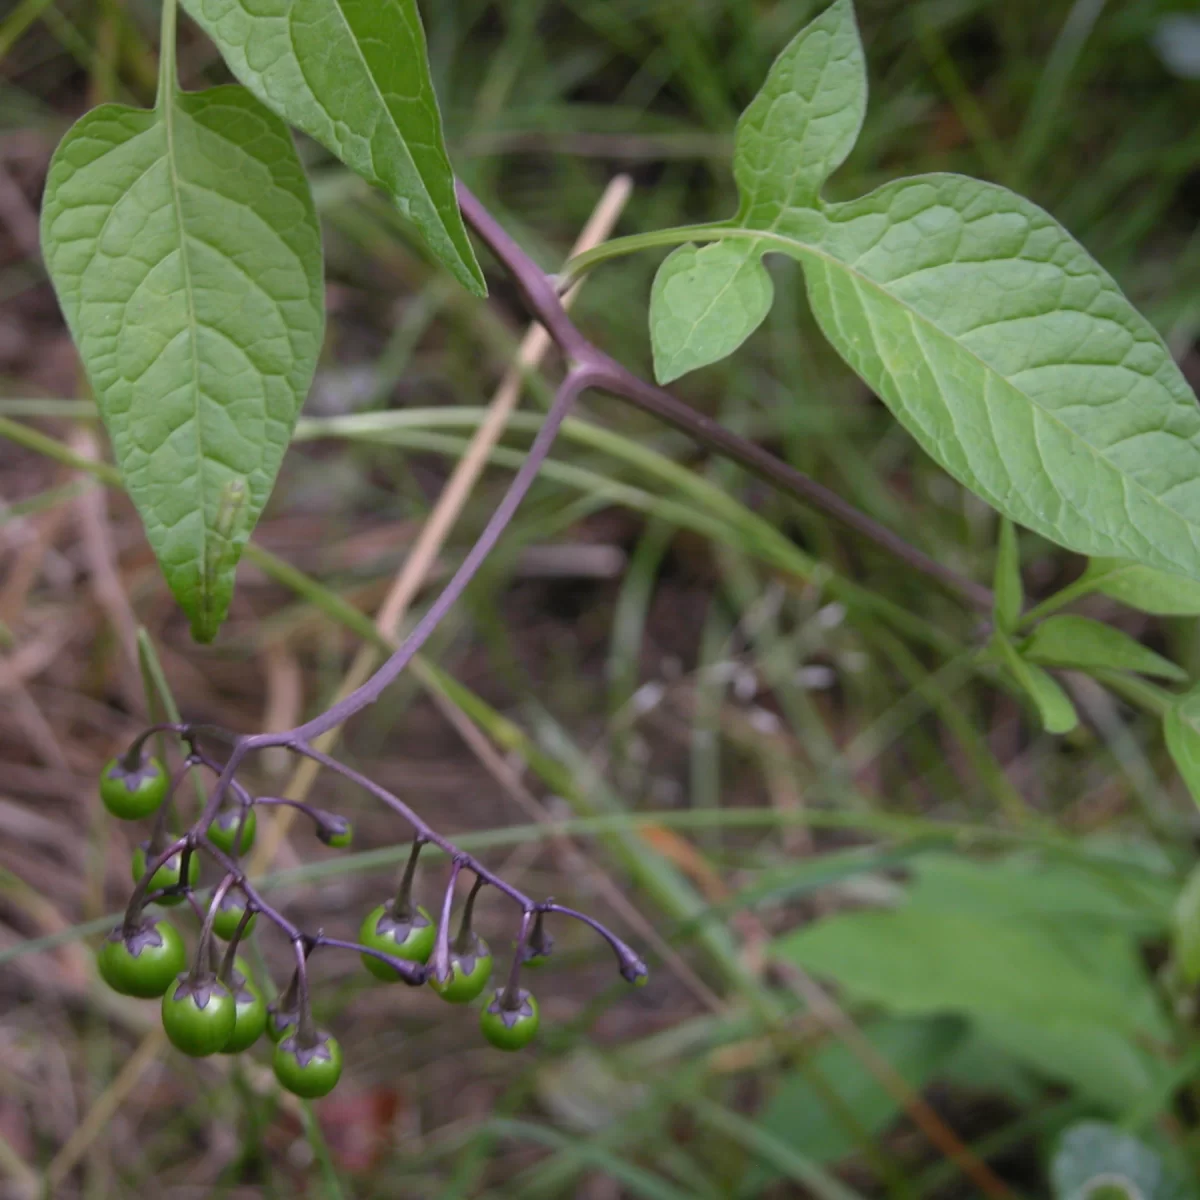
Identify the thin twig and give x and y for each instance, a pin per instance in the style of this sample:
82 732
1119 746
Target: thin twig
542 300
442 518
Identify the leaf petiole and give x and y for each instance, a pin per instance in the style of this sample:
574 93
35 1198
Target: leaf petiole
621 247
168 75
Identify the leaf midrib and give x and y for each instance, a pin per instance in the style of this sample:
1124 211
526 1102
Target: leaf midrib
168 119
795 248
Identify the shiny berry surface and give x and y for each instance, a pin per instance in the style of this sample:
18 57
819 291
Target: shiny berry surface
250 1015
510 1027
229 916
199 1017
310 1072
411 940
131 795
469 973
147 963
223 832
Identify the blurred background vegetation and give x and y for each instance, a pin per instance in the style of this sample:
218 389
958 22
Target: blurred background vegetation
902 943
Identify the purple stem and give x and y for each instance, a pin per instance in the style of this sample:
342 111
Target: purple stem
577 381
463 943
402 905
439 965
203 948
412 973
631 964
423 833
225 975
137 898
510 998
542 300
132 758
306 1032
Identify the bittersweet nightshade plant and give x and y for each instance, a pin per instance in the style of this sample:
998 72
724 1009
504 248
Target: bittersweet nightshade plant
184 248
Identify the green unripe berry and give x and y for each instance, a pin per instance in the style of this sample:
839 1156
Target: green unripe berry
229 916
310 1072
223 832
469 973
510 1027
199 1017
145 964
250 1015
412 939
131 795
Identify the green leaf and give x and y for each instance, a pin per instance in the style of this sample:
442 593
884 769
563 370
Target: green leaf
1070 641
186 255
995 339
804 1112
1041 955
1015 361
1181 728
354 75
1010 595
804 121
1185 930
1104 1066
1036 889
1053 704
915 961
1141 587
706 301
1092 1156
795 133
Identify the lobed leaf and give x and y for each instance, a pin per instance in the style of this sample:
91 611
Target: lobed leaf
804 121
795 133
995 339
185 253
1070 641
353 75
706 301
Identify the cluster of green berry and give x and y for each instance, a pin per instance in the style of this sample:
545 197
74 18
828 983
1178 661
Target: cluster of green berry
215 1007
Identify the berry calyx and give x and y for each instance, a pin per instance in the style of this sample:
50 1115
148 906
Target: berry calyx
223 832
411 938
229 914
469 972
169 875
144 963
133 794
308 1071
510 1025
281 1018
199 1015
